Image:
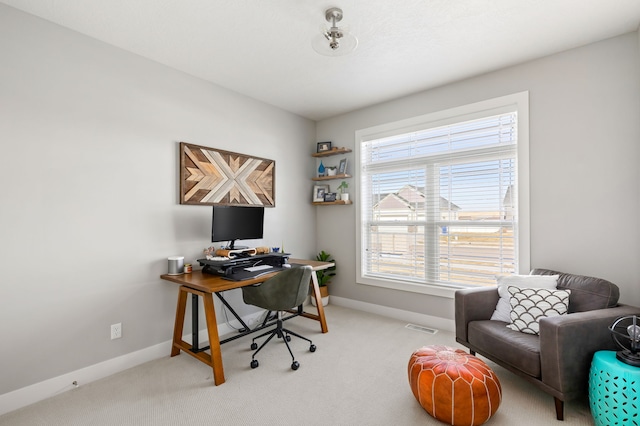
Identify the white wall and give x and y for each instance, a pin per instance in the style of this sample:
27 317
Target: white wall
89 195
584 177
88 200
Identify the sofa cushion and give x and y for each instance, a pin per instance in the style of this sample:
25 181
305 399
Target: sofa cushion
503 308
519 350
529 305
587 293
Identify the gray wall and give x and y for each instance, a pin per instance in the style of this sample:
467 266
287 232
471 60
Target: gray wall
89 207
584 174
89 196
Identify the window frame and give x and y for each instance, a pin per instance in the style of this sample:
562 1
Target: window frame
518 102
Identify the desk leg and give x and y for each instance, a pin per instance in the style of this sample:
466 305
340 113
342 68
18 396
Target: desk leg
179 324
214 339
215 359
195 323
318 297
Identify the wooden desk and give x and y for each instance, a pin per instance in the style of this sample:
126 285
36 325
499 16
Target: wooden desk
205 285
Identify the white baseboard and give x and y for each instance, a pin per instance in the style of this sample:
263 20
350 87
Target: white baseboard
46 389
412 317
38 391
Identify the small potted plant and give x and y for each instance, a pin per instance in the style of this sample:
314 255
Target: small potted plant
332 170
344 196
324 277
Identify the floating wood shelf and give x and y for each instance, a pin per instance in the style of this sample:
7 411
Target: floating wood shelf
334 151
343 176
331 152
332 203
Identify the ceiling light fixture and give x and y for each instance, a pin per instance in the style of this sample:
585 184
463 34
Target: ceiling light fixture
334 41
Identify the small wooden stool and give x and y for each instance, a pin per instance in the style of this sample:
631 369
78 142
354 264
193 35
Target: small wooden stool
453 386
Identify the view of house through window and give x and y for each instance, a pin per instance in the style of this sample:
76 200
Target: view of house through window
439 206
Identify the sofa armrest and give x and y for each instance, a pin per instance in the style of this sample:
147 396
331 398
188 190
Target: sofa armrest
473 304
568 342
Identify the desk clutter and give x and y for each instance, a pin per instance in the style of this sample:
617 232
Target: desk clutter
176 265
212 253
242 264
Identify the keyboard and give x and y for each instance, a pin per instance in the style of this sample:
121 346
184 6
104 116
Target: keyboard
243 274
258 268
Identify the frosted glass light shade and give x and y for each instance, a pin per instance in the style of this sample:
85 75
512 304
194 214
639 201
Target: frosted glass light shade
347 44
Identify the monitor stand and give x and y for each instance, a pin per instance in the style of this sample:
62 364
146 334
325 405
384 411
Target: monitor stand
232 246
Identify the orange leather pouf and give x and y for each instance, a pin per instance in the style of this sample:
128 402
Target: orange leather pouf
453 386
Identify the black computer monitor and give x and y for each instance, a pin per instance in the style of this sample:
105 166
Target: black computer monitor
232 223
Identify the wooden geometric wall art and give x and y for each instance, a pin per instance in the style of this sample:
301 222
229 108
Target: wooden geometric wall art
210 176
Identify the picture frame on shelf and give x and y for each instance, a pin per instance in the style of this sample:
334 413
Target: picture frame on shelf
318 192
342 168
329 197
324 146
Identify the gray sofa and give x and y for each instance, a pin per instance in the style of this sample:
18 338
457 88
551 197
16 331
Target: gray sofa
558 360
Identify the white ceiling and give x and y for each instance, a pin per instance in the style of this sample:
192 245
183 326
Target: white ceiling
263 48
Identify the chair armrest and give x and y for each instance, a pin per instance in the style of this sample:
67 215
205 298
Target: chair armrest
568 342
473 304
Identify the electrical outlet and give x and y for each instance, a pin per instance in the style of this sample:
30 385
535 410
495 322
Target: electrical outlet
116 331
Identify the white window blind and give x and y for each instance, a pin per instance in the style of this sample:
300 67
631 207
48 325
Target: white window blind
439 206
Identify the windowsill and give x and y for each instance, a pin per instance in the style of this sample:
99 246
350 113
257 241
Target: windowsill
428 289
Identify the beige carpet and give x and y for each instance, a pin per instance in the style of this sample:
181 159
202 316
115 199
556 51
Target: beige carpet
358 376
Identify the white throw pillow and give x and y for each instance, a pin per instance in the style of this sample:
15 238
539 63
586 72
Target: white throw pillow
503 308
529 305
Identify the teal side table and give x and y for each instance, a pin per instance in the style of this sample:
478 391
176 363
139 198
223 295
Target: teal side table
614 391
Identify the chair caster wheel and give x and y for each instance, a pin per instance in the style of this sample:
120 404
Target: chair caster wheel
254 363
312 348
295 365
288 338
254 346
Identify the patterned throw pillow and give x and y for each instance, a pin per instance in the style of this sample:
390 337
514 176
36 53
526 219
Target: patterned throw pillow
528 305
503 309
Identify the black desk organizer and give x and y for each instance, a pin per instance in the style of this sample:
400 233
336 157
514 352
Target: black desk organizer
236 265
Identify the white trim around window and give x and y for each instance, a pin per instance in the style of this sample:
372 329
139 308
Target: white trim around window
518 103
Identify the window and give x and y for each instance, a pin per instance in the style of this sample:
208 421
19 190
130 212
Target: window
441 198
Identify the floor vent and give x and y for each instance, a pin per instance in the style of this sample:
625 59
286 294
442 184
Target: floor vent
421 328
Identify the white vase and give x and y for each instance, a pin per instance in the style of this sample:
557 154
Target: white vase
325 301
331 172
344 197
324 296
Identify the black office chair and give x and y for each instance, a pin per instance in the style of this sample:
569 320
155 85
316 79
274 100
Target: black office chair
282 292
